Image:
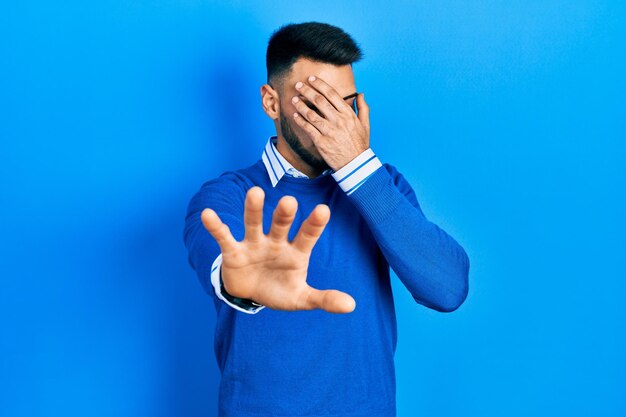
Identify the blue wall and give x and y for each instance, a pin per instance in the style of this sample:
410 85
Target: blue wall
508 119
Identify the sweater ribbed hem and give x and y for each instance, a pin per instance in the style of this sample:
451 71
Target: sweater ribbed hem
388 411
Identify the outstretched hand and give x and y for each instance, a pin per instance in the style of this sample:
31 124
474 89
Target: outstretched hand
270 269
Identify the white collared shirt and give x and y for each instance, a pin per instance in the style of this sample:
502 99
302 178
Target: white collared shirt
349 178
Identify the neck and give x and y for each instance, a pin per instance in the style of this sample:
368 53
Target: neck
295 160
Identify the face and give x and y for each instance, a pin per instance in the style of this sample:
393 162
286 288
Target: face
313 159
341 78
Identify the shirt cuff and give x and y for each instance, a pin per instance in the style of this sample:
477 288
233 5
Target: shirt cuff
354 173
242 304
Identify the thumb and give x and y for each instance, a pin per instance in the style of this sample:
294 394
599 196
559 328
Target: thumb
333 301
364 111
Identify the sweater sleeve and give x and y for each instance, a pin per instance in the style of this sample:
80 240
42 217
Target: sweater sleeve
431 264
226 198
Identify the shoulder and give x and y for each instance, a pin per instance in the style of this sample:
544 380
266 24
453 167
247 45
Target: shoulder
236 181
229 188
231 182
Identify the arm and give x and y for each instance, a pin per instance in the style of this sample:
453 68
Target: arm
428 261
204 253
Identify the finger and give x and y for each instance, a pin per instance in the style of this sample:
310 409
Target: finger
364 111
330 93
283 216
317 99
332 301
311 130
312 228
219 230
253 214
302 99
311 116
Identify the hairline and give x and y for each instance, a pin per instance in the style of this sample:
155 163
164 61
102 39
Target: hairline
279 79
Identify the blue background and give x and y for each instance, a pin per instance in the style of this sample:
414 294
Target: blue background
508 119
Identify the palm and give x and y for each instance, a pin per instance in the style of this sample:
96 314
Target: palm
268 268
275 273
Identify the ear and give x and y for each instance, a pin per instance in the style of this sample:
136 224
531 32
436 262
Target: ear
269 101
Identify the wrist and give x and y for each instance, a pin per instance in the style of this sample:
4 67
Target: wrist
242 302
354 173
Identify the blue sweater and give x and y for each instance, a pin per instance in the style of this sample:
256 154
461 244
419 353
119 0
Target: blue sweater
314 363
349 178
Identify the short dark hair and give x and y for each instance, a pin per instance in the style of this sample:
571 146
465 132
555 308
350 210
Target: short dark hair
316 41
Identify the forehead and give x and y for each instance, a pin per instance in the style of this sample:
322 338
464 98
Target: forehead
341 78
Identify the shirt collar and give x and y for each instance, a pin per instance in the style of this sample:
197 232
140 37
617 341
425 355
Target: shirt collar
277 166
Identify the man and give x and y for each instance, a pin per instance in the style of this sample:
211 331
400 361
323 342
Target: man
306 323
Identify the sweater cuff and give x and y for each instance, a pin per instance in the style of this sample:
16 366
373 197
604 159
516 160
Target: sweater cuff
354 173
242 304
378 197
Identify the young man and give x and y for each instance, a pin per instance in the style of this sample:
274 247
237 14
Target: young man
306 323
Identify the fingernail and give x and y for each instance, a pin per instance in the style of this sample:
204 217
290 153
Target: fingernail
312 78
295 100
299 84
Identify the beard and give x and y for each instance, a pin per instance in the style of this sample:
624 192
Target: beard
319 164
